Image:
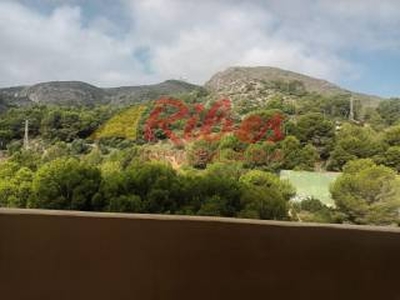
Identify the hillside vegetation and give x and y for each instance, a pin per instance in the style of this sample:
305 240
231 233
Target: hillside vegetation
122 125
97 157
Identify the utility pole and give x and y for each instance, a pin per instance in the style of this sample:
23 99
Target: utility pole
351 115
26 135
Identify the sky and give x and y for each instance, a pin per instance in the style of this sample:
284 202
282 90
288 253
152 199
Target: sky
353 43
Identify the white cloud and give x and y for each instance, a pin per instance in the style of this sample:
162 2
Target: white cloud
39 47
191 39
196 39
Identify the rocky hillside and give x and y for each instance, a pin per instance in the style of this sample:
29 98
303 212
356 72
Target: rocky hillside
258 84
81 93
64 93
250 86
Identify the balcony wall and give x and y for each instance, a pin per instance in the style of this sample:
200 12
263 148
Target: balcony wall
69 255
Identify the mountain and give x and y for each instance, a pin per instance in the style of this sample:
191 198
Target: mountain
260 83
133 94
64 93
247 85
81 93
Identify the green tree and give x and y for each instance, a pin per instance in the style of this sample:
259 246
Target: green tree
113 190
7 192
209 193
313 210
278 102
27 158
308 157
232 170
126 203
339 157
69 123
317 130
8 168
353 142
392 158
12 123
389 111
296 156
269 180
221 196
157 185
230 141
15 190
265 196
266 204
65 183
58 150
374 119
367 193
291 148
392 136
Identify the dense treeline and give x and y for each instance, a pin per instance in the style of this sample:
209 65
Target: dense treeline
52 123
123 183
65 169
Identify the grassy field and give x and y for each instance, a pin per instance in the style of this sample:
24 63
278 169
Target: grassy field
122 125
314 184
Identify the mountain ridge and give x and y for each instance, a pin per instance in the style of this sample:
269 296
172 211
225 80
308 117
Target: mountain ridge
237 81
82 93
253 84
